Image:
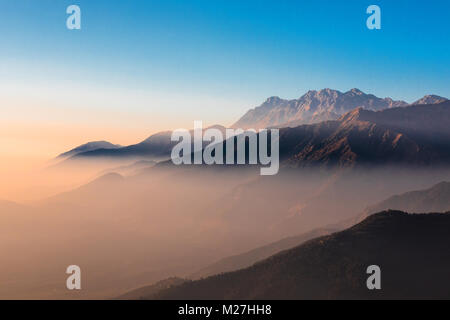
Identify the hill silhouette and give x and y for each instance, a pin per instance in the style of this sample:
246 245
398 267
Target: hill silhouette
411 249
90 146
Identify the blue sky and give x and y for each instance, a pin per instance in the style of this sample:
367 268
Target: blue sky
218 58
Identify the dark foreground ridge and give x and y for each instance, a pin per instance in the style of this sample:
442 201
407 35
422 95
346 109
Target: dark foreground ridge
412 251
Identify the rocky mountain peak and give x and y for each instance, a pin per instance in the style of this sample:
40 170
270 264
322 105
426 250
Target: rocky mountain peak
430 99
313 107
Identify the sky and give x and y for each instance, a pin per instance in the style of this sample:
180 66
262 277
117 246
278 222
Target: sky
138 67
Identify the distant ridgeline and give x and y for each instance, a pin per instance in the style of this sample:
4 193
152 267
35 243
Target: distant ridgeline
378 132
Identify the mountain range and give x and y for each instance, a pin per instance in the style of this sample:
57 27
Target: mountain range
318 106
417 135
152 212
359 128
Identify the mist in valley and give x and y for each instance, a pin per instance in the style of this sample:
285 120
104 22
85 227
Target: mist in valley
135 228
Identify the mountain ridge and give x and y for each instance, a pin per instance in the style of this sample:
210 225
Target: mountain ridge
334 266
434 199
89 146
416 135
156 147
317 106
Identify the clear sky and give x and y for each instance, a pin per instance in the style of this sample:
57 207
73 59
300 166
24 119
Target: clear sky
137 67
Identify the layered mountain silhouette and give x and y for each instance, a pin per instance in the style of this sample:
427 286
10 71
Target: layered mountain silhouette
411 250
359 128
156 147
416 135
434 199
228 212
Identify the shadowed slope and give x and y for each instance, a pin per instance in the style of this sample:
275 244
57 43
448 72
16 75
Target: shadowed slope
412 251
416 135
